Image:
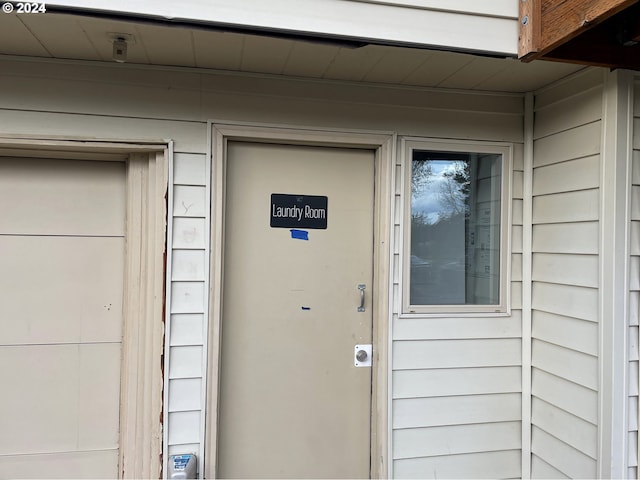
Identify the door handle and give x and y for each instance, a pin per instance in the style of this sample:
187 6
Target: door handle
361 287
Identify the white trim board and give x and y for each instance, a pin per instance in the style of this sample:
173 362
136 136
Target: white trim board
614 272
527 237
167 316
445 25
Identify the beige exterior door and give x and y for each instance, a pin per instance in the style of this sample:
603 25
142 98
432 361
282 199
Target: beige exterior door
62 250
292 402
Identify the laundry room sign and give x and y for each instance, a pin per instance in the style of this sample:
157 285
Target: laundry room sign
298 211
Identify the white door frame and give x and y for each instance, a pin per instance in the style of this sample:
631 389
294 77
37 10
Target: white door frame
383 144
141 405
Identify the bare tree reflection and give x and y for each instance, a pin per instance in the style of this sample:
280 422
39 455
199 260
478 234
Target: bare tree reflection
438 235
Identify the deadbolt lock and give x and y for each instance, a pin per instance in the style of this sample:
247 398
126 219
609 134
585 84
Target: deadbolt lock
362 355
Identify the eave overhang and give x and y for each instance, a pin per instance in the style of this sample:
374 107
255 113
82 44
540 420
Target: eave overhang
590 32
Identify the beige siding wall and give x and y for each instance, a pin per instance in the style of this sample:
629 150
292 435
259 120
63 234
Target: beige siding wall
453 378
565 278
634 286
457 403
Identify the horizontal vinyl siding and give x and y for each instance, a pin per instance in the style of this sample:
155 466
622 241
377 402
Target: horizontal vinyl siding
454 440
460 327
572 333
127 103
578 433
578 270
541 469
569 461
498 8
565 278
634 293
446 382
233 97
189 258
457 381
458 410
568 300
570 396
499 464
418 354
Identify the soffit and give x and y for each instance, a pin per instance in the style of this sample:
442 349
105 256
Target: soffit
64 36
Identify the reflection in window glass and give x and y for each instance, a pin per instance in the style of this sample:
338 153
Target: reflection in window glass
455 228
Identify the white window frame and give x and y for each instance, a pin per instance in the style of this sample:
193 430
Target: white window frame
503 307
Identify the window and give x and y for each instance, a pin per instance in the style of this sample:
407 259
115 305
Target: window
456 223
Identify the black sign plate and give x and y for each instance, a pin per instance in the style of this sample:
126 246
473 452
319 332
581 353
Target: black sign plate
298 211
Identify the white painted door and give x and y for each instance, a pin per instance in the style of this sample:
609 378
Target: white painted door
292 403
61 287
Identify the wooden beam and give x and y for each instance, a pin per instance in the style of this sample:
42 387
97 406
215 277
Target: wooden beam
530 17
564 20
555 22
599 57
599 46
611 44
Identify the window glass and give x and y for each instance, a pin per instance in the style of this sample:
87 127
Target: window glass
455 228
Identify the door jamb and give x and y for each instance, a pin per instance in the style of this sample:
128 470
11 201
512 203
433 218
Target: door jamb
383 143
